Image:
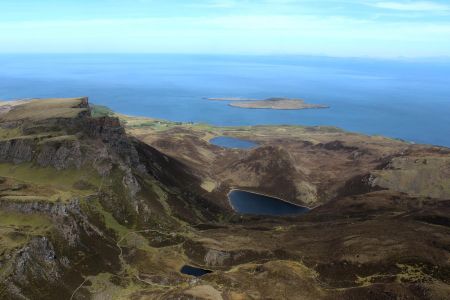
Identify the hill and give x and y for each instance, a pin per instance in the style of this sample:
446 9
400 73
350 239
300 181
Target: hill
97 205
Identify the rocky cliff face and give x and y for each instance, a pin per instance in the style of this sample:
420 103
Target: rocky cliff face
17 150
88 212
130 188
46 266
55 141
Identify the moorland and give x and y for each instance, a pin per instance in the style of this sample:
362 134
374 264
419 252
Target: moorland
100 205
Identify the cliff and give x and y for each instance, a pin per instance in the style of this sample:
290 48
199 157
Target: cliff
93 209
81 176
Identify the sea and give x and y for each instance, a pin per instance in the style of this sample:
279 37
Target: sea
400 98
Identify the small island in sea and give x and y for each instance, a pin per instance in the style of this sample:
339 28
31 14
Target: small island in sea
232 99
270 103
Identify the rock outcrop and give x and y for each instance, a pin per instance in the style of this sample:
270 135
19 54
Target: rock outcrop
89 212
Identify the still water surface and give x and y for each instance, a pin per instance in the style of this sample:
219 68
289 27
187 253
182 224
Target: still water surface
396 98
231 142
245 202
194 271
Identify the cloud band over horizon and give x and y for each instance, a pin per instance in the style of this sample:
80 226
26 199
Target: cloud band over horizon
335 28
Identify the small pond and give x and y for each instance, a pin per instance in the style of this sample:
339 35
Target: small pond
245 202
194 271
231 142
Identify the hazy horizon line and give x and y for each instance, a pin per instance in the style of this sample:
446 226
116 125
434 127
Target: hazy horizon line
442 57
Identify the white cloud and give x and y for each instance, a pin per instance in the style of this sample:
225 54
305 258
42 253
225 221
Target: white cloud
217 4
413 6
254 34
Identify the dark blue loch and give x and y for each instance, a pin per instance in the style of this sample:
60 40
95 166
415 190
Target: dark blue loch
194 271
245 202
231 142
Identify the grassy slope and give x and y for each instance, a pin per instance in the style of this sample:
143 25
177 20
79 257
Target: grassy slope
278 277
15 231
37 110
49 183
422 176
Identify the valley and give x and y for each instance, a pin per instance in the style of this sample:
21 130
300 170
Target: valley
100 205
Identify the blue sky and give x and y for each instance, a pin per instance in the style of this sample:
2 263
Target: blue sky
368 28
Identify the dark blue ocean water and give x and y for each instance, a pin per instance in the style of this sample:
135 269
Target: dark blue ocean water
401 99
230 142
255 204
